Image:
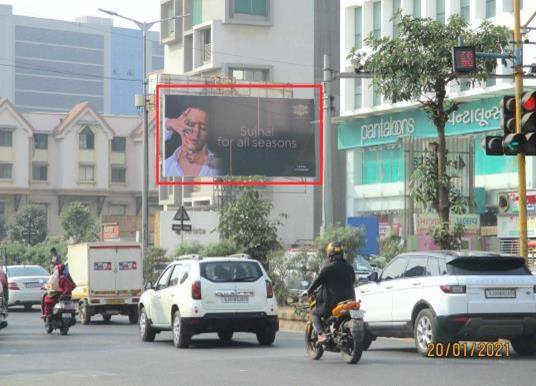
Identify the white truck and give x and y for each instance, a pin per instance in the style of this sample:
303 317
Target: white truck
109 279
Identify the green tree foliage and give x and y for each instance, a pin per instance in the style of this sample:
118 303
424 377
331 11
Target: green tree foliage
221 248
20 253
247 222
390 245
3 227
188 249
30 225
153 258
417 66
78 223
351 238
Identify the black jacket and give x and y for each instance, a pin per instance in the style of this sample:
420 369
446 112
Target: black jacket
337 280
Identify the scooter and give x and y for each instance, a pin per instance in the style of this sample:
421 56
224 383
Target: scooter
62 317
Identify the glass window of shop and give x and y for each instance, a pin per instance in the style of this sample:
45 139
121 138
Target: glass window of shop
378 165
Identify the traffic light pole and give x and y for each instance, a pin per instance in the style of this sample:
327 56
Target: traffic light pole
521 173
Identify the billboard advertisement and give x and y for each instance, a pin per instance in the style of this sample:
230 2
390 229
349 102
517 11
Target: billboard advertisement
220 136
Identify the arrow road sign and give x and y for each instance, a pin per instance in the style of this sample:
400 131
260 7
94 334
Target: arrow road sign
181 215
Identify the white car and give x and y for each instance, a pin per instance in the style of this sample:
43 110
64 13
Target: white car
196 295
451 296
25 283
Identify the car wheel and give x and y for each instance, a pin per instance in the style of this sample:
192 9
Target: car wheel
106 317
147 333
181 339
525 346
426 331
225 336
83 312
133 315
266 336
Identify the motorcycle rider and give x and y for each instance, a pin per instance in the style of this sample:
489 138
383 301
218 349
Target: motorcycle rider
59 284
336 281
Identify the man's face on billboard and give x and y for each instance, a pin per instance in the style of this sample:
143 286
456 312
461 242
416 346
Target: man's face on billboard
194 135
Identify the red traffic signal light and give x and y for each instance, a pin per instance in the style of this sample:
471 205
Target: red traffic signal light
528 118
464 59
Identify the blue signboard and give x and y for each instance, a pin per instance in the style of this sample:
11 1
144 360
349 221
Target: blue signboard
372 233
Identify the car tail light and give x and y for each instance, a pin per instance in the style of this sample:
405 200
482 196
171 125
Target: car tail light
13 286
95 301
269 289
453 289
196 290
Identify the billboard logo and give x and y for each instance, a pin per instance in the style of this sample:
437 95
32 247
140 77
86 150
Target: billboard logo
300 110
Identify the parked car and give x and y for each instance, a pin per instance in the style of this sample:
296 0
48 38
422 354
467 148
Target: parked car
3 309
25 283
450 296
196 295
362 270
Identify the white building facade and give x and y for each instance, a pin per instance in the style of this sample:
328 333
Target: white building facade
269 41
53 159
379 162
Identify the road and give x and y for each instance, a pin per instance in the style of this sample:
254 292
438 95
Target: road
112 354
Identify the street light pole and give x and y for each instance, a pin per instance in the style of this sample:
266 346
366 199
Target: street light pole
144 27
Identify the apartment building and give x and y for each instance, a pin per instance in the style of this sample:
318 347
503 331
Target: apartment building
379 165
272 41
53 159
52 65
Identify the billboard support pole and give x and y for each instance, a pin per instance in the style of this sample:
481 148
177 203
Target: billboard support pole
327 204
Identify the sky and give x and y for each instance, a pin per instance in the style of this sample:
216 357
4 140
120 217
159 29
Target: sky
143 10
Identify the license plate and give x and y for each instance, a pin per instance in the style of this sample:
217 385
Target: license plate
235 299
500 293
66 315
357 314
115 301
33 285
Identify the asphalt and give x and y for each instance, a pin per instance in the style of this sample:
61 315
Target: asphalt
112 354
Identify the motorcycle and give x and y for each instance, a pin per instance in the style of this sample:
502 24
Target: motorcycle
346 332
62 317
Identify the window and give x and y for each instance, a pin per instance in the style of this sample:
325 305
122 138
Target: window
87 173
396 20
197 13
358 22
6 138
376 97
417 8
41 141
119 174
175 276
416 266
6 171
377 19
164 279
465 9
249 74
440 11
118 209
119 144
39 172
168 26
382 164
490 8
487 266
231 271
357 94
251 7
432 268
396 269
87 139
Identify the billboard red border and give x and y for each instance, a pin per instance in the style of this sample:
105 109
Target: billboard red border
316 182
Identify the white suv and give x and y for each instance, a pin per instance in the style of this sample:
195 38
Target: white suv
195 295
446 296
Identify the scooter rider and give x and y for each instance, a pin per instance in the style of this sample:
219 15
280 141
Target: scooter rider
336 280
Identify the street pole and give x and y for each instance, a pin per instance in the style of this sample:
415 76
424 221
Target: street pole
327 204
521 174
145 189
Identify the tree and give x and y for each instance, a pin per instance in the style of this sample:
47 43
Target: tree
152 258
30 225
417 66
78 224
351 238
3 228
247 222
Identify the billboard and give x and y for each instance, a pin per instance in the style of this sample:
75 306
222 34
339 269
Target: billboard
220 136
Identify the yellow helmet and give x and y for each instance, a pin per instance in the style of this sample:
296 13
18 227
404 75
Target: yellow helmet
334 248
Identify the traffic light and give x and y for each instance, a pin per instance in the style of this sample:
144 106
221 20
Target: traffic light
512 143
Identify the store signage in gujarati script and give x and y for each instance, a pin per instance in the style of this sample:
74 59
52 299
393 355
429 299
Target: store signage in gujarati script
424 223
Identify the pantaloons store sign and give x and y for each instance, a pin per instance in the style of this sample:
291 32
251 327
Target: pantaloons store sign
482 115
